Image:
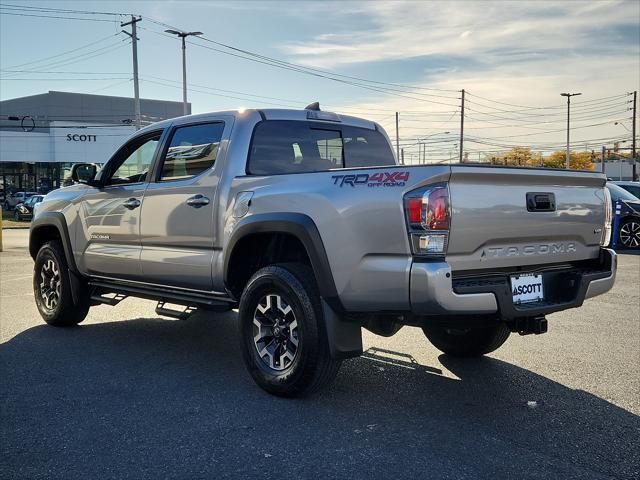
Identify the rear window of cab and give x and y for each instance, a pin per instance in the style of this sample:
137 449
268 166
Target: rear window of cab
284 146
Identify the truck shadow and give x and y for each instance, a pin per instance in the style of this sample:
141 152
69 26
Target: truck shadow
152 398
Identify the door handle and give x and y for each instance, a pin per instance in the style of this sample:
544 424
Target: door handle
131 204
198 201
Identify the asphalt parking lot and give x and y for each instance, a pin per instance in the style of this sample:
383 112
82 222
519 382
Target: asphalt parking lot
131 395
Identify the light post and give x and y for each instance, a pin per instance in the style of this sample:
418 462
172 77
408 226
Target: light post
568 95
183 36
421 150
622 125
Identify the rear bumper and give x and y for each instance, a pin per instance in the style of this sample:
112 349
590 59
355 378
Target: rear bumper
435 290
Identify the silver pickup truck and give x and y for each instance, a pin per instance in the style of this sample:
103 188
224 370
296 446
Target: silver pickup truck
305 222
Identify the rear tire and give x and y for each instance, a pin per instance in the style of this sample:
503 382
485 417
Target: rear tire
471 342
52 288
16 216
282 333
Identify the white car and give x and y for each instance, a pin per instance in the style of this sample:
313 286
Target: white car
14 199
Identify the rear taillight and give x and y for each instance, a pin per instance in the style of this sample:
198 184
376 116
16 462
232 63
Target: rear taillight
608 219
428 216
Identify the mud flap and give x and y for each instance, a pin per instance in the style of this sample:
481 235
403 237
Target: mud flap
78 288
345 338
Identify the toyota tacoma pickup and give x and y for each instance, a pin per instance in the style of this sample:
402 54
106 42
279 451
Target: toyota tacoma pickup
305 222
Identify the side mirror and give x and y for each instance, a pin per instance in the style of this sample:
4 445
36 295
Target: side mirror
84 173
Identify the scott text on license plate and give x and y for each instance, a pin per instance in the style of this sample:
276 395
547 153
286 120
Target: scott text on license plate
527 288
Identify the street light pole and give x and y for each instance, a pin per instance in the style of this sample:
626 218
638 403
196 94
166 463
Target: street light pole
568 95
423 146
183 36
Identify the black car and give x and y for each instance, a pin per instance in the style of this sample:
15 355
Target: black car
25 210
628 234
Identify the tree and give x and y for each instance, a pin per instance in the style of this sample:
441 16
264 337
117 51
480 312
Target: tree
518 157
577 160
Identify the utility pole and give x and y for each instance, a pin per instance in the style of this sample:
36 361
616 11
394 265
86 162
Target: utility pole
402 155
462 125
398 135
568 95
604 151
634 175
134 45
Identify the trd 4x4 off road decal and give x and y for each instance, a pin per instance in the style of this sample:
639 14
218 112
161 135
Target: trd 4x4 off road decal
379 179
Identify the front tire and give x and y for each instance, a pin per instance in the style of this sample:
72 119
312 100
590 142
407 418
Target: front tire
629 233
282 333
16 216
52 288
470 342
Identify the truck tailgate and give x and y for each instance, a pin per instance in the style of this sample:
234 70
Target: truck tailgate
512 217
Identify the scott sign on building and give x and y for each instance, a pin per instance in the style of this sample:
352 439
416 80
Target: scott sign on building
75 137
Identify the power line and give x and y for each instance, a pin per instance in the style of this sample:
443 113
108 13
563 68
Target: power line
59 10
64 53
65 73
532 121
63 79
56 17
548 131
79 58
539 107
214 94
557 110
598 108
298 66
246 55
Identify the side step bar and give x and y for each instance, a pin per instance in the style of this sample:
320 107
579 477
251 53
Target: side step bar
169 312
123 289
113 300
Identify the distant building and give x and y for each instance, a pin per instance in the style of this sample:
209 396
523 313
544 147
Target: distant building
41 136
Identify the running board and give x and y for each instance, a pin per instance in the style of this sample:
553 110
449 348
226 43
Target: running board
160 294
113 301
169 312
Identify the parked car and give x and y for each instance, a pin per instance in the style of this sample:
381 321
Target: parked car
14 199
629 224
305 222
631 187
25 210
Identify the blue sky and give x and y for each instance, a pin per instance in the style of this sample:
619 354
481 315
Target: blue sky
520 53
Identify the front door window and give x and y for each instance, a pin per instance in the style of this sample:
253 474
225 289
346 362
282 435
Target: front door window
133 168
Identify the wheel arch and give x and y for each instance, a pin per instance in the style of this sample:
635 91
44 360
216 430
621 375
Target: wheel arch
53 226
296 225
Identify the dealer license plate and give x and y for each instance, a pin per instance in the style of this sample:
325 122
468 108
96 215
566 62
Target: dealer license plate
527 288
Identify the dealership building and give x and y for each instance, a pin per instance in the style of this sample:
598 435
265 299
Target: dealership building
41 136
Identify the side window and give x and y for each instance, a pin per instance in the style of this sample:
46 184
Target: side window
329 148
193 149
366 148
292 147
136 161
282 146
